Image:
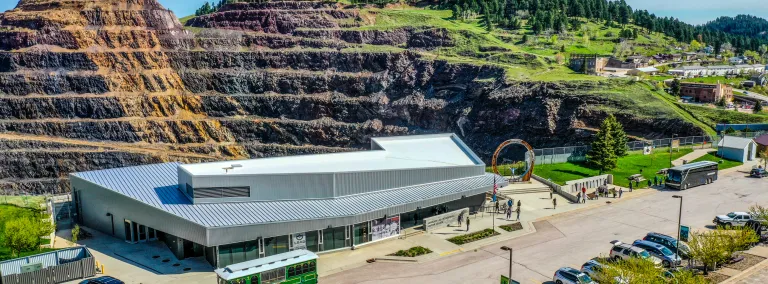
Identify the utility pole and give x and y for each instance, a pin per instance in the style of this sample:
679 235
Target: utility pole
670 149
679 218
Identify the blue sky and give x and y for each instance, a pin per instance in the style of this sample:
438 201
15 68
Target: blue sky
690 11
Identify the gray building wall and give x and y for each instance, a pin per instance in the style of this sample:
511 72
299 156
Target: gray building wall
323 185
734 154
228 235
96 202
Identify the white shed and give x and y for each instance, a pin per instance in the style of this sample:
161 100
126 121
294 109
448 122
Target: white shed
737 148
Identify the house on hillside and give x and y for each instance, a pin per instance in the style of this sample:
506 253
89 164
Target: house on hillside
762 142
706 93
759 79
642 71
688 71
688 56
736 60
737 148
587 63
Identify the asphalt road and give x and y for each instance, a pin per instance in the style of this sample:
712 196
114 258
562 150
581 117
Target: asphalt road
752 95
572 239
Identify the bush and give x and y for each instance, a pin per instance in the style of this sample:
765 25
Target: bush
412 252
512 227
476 236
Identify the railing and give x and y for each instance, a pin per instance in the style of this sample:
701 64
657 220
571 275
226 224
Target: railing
579 153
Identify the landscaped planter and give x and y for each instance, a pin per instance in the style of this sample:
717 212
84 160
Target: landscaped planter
476 236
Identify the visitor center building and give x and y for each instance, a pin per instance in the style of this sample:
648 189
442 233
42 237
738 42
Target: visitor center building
234 211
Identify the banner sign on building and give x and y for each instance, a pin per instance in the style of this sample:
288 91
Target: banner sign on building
443 220
385 228
299 241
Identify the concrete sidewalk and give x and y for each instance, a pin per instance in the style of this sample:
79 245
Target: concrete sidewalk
535 206
697 153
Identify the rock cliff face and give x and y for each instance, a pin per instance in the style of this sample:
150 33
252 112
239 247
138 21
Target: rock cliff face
95 84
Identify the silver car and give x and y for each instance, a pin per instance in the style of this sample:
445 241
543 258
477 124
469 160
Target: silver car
567 275
733 219
623 251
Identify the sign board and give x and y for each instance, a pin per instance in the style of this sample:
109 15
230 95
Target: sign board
385 228
506 280
445 219
299 241
647 150
676 144
31 267
684 231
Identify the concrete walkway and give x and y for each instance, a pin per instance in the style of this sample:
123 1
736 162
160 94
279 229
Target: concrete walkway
535 207
697 153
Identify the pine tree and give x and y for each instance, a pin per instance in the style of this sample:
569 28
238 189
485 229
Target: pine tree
619 137
676 87
602 155
758 107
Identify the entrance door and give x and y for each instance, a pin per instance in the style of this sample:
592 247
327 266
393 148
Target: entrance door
129 233
142 233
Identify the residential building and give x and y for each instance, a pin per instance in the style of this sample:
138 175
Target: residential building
736 60
762 142
717 70
759 79
688 56
642 71
235 211
737 148
706 93
588 63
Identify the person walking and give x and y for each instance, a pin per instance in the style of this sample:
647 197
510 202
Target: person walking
630 186
620 192
497 206
467 224
554 203
518 213
461 216
518 204
584 198
583 191
655 180
650 183
578 198
509 213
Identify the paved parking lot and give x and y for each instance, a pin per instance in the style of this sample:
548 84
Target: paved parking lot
573 238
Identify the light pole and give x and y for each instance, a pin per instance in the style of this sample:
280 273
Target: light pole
510 261
679 218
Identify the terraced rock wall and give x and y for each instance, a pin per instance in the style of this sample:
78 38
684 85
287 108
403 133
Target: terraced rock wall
88 85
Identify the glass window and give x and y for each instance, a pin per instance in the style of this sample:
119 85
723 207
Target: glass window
338 237
127 231
312 266
311 238
252 250
328 239
291 271
238 252
281 244
360 233
225 256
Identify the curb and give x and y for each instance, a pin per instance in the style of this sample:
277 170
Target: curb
757 267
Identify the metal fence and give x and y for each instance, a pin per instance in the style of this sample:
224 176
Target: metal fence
57 266
579 153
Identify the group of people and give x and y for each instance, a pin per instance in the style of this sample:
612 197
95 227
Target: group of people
581 197
656 182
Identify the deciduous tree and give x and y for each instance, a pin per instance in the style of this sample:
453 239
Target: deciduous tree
675 88
21 235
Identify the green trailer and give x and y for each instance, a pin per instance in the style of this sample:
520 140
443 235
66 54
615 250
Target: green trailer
294 267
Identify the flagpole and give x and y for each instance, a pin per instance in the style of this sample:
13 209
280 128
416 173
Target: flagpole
493 216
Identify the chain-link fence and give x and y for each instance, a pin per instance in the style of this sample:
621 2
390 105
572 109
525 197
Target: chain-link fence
579 153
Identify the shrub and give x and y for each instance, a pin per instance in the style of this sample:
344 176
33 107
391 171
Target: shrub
476 236
512 227
412 252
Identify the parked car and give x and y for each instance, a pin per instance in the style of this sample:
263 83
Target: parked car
733 219
624 251
668 258
669 242
758 173
102 280
567 275
593 269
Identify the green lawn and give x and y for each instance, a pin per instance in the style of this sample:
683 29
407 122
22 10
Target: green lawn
627 166
725 163
22 201
9 212
714 79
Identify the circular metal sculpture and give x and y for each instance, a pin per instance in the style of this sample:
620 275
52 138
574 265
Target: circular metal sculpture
531 159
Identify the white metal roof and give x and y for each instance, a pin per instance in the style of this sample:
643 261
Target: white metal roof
157 185
404 152
648 69
251 267
734 142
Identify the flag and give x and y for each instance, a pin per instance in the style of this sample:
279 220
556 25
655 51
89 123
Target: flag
494 188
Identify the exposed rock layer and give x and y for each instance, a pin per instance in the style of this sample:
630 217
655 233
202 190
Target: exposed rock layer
88 85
